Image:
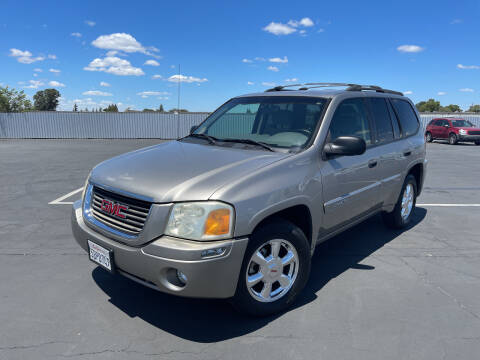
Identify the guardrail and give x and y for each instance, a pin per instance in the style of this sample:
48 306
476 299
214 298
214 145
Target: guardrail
85 125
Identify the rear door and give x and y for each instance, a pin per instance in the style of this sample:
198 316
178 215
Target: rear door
443 130
391 160
350 183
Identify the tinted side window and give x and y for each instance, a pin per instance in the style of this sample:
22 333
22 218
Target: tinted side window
350 119
407 116
381 116
396 127
431 122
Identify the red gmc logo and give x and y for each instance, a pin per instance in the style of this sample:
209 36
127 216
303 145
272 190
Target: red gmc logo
113 208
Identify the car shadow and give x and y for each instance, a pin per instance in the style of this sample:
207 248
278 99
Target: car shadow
207 321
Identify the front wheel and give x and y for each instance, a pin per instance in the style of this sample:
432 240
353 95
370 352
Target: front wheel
275 269
428 136
401 215
452 139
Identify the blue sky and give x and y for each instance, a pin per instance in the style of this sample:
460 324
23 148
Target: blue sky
100 52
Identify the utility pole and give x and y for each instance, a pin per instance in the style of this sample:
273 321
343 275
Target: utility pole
178 102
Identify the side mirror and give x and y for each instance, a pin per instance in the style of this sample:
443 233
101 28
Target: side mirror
346 145
446 125
193 128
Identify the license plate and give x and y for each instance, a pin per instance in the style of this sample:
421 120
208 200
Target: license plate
99 255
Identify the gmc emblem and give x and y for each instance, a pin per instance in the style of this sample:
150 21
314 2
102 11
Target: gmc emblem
114 208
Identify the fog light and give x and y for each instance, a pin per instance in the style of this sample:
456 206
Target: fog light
182 277
213 252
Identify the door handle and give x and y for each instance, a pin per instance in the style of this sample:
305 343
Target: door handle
372 163
407 153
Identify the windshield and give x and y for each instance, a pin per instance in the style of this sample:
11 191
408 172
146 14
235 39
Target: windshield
283 121
461 123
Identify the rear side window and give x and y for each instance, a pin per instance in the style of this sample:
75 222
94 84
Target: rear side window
431 122
381 116
408 118
350 119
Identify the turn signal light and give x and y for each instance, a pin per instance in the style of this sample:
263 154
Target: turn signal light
218 222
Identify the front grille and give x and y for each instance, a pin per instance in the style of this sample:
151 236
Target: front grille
135 215
474 132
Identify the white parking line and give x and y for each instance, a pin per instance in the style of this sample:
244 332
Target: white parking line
60 201
451 205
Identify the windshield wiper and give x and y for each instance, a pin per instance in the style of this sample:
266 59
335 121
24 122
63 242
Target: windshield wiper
210 139
249 141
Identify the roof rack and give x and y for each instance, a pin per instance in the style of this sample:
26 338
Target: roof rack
350 87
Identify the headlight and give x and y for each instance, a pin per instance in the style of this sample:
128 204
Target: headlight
208 220
462 132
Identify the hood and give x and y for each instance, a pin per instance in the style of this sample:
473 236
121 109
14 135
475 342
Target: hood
180 171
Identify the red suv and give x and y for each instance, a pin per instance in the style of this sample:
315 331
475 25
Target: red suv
453 130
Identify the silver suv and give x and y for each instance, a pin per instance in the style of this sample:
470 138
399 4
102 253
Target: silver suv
235 209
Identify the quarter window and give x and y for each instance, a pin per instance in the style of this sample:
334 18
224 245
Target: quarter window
408 118
350 119
382 120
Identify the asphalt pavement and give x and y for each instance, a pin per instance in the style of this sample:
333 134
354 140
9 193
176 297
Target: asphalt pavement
374 293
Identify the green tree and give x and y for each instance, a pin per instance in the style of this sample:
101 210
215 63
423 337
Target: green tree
12 100
75 107
451 108
161 109
148 110
111 108
428 106
46 100
474 108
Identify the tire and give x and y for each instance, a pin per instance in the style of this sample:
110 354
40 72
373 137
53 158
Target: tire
452 139
401 216
477 142
292 244
428 136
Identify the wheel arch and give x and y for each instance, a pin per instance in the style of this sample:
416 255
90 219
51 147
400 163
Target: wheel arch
418 172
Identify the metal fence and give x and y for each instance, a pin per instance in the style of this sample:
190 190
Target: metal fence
83 125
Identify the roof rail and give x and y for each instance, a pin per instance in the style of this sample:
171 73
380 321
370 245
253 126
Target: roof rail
350 87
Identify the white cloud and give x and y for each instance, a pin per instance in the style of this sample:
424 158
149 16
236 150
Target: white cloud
456 21
410 48
151 63
122 42
146 94
279 60
52 56
186 79
56 71
157 76
248 61
291 80
112 53
408 92
104 84
96 93
76 34
321 30
441 93
25 57
37 70
56 84
272 68
90 23
260 59
35 75
279 29
266 83
468 67
306 22
466 90
114 65
250 83
34 84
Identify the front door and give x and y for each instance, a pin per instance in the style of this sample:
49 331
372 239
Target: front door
350 184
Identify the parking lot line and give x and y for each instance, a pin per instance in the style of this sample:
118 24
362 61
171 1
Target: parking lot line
451 205
60 201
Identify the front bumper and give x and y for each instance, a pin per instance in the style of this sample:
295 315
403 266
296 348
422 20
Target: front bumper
155 264
468 137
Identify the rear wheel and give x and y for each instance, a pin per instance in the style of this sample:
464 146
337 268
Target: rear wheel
405 206
275 269
452 139
477 142
428 136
